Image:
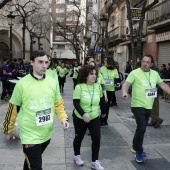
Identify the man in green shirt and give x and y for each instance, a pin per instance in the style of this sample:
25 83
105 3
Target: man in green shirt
35 100
143 81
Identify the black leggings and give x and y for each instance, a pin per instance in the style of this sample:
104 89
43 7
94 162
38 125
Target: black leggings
111 97
80 130
61 82
33 155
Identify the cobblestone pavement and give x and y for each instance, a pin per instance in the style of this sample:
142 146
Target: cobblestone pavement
115 142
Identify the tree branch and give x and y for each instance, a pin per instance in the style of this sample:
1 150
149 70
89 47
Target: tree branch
3 3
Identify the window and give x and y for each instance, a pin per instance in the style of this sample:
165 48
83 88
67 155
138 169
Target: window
49 10
59 38
59 19
60 1
72 8
50 1
60 10
72 18
60 46
69 36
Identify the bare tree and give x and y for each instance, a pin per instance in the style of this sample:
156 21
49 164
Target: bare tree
38 25
25 9
138 35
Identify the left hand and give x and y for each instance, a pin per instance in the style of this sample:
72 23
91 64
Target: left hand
65 124
103 115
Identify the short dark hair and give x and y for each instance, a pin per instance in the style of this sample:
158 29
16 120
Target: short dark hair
87 59
149 56
84 72
37 53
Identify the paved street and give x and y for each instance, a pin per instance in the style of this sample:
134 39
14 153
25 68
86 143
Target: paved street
115 143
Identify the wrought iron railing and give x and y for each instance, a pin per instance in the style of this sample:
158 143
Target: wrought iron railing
158 13
118 32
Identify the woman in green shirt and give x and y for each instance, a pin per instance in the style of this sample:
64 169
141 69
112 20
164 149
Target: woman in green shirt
86 98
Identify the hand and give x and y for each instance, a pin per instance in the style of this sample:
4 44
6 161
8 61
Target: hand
125 95
9 74
103 115
86 118
9 137
106 99
65 124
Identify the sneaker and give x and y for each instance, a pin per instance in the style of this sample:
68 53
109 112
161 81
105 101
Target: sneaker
96 165
158 124
77 160
143 153
139 157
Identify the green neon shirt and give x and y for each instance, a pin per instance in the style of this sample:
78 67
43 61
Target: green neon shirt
140 82
109 76
62 71
75 72
87 95
35 97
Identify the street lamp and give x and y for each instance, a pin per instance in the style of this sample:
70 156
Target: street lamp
103 22
11 19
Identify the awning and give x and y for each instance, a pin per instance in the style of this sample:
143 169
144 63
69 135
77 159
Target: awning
66 54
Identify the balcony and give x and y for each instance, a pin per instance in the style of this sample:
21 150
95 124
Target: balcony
117 34
89 3
159 15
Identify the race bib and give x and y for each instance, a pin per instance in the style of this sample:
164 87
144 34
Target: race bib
151 93
43 117
108 82
61 74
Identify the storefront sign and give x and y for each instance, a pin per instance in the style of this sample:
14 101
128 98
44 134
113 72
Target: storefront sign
163 36
136 13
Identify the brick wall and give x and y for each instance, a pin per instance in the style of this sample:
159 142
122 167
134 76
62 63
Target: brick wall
151 46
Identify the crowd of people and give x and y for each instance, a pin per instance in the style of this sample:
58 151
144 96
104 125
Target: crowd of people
94 84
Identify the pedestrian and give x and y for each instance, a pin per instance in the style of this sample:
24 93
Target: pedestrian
111 78
75 73
86 98
4 79
143 81
34 102
62 72
156 121
51 71
100 81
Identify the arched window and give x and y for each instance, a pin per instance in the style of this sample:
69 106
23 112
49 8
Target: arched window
4 51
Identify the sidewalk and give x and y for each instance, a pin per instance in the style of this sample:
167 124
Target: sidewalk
115 143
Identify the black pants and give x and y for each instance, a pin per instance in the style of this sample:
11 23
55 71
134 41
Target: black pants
61 82
74 82
5 88
111 98
33 156
141 116
80 130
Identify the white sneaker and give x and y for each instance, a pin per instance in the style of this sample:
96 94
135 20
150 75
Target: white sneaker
96 165
78 161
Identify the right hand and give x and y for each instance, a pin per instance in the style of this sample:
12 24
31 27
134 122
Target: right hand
10 74
86 118
9 137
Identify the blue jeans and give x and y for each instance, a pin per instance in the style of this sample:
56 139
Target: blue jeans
141 116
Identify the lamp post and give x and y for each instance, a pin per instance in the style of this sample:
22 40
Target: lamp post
103 22
10 18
